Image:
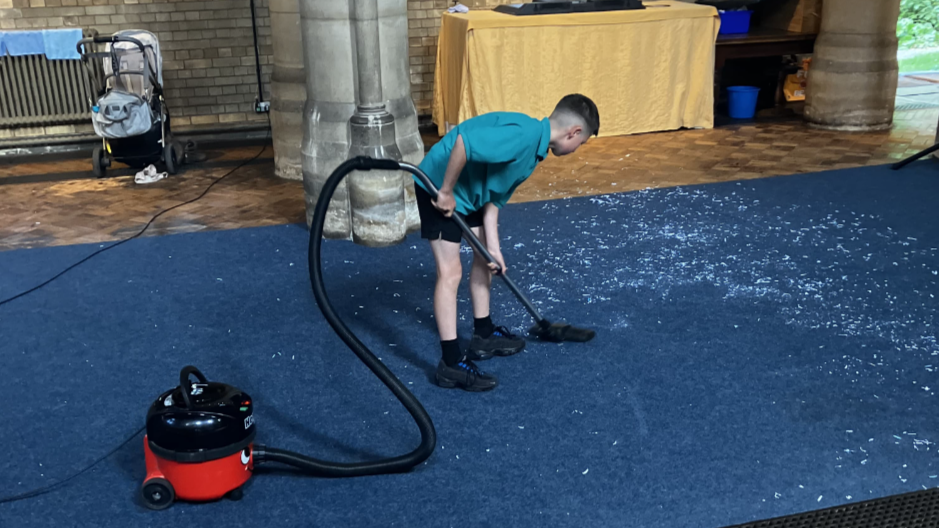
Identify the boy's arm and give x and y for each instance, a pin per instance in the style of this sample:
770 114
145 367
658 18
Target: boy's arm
445 203
479 145
491 225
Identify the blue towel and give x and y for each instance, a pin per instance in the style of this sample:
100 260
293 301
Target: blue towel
19 43
60 43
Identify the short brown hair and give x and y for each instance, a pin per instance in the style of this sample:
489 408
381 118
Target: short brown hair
580 106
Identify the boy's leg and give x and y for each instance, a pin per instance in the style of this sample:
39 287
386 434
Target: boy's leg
455 369
488 339
449 274
480 280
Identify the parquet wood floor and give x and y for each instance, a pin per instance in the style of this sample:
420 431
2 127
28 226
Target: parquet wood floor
49 202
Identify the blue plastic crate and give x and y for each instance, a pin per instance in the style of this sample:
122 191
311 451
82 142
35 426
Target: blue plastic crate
735 22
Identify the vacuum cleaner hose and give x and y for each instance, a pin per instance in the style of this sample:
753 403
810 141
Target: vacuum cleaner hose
428 433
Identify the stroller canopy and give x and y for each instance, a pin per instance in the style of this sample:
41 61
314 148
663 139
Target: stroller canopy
133 76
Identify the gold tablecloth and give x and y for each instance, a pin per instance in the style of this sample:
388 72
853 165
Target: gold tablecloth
647 70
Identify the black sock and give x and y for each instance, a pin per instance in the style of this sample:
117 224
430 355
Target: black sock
451 352
483 327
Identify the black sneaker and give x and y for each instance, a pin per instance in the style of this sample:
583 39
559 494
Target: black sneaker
500 343
466 376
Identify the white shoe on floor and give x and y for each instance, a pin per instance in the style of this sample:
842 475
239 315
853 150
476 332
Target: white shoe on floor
149 175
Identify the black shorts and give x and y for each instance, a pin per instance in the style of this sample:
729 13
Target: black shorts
435 226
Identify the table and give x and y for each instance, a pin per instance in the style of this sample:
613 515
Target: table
647 70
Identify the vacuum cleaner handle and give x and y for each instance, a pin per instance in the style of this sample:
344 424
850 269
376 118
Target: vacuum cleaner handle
365 163
456 217
185 387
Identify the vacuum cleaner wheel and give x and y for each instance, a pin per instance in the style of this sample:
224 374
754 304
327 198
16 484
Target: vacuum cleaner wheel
157 494
235 495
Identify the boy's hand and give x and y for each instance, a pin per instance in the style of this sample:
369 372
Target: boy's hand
445 203
497 256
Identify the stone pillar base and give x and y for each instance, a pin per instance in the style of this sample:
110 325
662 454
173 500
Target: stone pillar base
328 37
852 83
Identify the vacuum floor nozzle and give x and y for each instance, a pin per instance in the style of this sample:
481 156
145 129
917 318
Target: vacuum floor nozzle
559 332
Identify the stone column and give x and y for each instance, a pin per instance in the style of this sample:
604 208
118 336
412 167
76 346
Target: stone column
331 77
396 88
288 88
853 78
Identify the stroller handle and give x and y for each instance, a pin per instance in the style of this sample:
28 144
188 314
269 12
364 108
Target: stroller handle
99 39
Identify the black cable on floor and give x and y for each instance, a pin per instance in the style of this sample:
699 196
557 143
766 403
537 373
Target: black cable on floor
52 487
57 485
141 232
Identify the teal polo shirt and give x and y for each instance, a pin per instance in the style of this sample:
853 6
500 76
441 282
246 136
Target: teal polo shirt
502 150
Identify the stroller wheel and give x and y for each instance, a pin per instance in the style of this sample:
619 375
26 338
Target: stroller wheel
172 157
98 164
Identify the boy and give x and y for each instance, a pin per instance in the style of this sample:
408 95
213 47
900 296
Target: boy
477 167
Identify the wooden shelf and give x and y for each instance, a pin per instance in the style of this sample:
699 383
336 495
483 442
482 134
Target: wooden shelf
763 42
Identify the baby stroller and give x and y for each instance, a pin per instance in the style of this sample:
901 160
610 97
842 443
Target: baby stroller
130 115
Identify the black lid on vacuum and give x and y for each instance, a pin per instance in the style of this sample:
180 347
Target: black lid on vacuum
201 421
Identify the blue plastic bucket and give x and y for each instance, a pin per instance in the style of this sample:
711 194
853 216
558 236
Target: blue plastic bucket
741 101
735 22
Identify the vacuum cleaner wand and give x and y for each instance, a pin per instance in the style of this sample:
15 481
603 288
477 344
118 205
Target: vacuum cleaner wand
543 329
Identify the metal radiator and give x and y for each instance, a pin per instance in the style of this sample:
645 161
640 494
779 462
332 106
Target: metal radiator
35 91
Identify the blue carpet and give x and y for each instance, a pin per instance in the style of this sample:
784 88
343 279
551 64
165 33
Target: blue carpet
764 348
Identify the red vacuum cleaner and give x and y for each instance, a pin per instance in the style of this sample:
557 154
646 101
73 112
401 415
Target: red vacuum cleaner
198 445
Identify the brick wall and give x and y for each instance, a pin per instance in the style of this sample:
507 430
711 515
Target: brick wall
423 28
207 46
